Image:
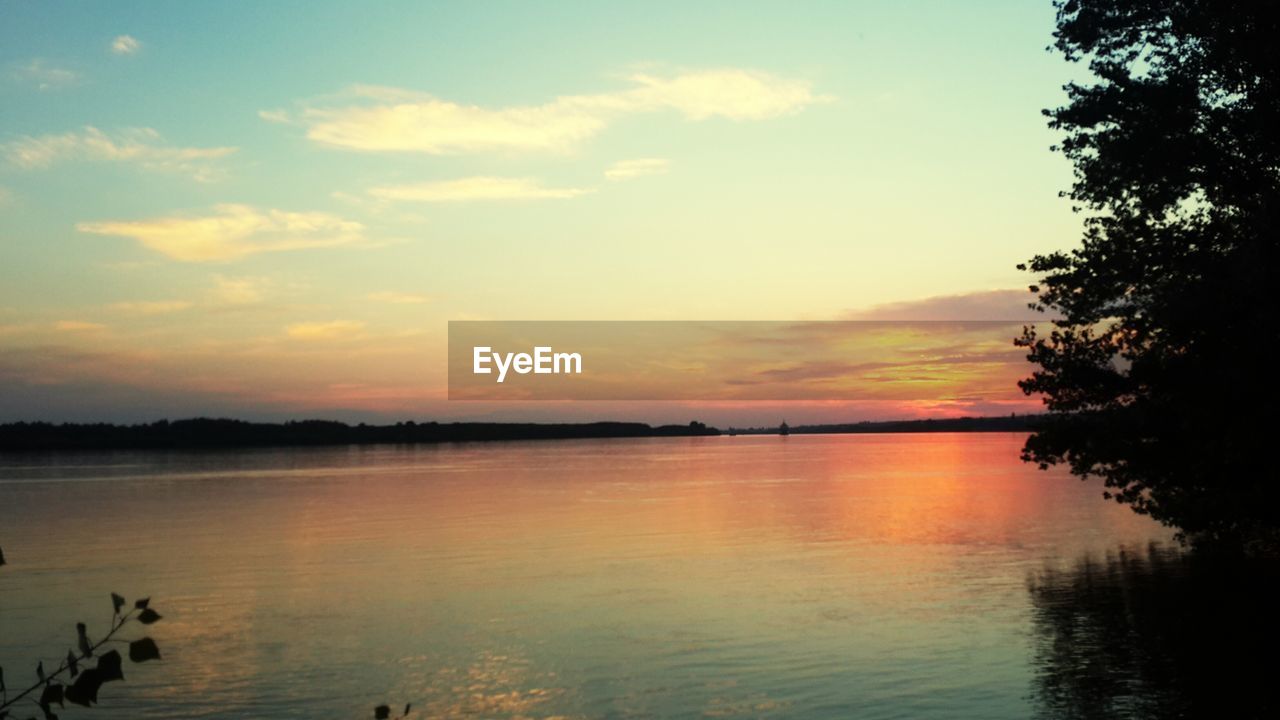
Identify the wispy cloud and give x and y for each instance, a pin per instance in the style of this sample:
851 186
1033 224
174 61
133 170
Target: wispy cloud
398 298
729 93
232 232
125 45
274 116
394 119
77 326
627 169
45 76
237 290
977 305
332 330
151 307
474 188
142 146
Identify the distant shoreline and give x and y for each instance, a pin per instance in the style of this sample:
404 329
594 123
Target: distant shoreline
221 433
999 423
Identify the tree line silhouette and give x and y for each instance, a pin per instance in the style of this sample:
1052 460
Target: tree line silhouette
1001 423
222 433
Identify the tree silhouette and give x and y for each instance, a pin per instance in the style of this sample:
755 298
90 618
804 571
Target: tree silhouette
1159 366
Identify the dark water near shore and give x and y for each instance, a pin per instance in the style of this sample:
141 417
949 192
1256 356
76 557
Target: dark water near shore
869 576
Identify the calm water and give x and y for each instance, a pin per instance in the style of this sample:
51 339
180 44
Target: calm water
872 576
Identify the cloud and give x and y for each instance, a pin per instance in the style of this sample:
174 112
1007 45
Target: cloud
399 298
332 330
45 77
978 305
392 119
274 116
142 146
426 124
627 169
474 188
151 307
729 93
232 232
237 290
77 326
125 45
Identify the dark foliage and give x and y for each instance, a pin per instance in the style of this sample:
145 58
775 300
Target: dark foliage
85 683
1158 372
82 686
383 712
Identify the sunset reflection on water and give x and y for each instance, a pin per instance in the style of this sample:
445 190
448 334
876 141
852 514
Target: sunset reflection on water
801 576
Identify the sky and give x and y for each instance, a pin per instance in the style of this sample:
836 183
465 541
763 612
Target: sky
272 210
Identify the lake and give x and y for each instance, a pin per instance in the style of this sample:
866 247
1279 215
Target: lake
869 576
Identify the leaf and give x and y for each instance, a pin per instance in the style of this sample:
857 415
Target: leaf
84 691
406 709
72 664
382 712
148 616
143 650
142 604
52 694
86 648
110 666
117 601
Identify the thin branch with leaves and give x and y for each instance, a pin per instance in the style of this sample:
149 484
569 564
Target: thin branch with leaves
86 681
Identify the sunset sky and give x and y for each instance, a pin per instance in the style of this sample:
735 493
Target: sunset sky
272 210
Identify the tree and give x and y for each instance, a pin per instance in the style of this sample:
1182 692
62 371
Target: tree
1158 370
